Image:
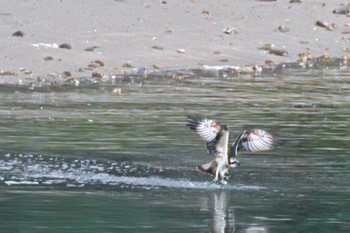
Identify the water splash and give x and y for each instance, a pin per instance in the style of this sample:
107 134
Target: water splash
39 170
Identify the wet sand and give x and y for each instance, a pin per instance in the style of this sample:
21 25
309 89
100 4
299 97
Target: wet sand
109 36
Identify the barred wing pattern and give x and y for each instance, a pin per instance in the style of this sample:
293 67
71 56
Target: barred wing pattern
214 134
256 140
216 137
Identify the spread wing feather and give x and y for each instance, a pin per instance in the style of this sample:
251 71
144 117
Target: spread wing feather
214 134
258 140
255 140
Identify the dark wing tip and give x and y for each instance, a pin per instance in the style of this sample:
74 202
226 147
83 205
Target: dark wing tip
194 121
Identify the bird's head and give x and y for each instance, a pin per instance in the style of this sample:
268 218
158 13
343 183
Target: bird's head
233 162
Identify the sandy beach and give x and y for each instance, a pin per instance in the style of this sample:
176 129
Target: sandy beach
109 36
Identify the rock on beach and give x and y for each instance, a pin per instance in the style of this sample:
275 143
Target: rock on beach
168 34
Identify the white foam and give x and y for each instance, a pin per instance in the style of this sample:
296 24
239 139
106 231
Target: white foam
108 179
12 182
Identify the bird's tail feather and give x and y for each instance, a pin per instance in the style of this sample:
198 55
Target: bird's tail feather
209 167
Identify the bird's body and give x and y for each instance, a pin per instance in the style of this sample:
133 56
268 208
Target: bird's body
216 137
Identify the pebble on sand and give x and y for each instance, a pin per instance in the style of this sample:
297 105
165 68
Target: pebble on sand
181 51
127 65
304 57
97 74
156 67
18 33
65 46
278 52
326 25
5 73
25 71
342 10
283 28
66 74
230 30
266 46
48 58
157 47
91 49
96 63
270 62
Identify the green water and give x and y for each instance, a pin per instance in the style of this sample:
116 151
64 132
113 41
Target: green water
91 160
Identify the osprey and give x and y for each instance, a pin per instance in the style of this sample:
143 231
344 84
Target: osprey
216 137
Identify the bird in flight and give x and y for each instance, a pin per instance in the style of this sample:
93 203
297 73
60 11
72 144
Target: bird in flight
216 137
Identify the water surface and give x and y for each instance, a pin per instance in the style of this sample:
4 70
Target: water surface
92 160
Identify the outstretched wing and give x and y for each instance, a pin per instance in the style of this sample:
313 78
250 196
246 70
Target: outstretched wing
255 140
214 134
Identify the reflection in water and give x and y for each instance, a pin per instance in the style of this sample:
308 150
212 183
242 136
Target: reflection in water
223 219
256 230
222 216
